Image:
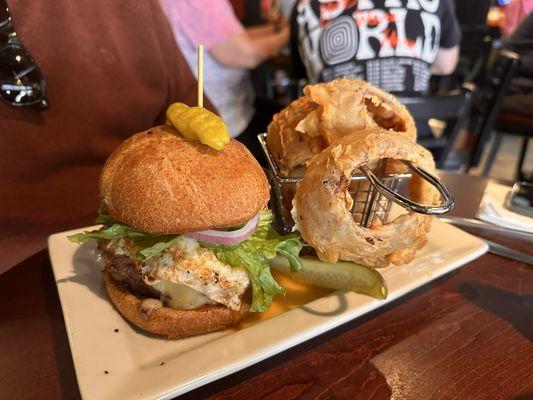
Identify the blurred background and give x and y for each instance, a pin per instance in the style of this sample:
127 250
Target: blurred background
477 115
490 121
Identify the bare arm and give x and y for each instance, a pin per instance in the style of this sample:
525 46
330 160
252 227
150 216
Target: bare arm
445 61
248 51
261 30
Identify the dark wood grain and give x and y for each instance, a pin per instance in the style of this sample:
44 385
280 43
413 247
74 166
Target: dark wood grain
468 335
35 359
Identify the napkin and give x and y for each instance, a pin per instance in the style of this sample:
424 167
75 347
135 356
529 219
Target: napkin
492 209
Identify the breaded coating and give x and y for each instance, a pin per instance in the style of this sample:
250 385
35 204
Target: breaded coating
329 111
322 204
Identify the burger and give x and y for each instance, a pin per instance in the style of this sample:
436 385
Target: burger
186 236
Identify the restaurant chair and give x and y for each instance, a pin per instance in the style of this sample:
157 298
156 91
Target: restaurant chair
511 124
487 100
446 114
476 46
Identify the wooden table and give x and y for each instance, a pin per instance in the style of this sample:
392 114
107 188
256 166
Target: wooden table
468 335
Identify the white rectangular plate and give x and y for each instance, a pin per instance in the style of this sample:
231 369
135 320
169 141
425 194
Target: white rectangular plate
145 366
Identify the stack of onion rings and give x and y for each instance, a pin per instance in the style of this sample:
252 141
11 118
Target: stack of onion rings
329 111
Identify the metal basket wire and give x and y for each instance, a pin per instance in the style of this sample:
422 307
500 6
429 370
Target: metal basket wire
372 190
368 204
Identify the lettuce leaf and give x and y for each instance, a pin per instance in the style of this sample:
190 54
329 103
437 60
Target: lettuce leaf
147 245
103 217
252 254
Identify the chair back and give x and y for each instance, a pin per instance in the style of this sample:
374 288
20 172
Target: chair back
488 97
475 50
452 109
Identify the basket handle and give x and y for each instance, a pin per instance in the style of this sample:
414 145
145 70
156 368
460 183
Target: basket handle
447 199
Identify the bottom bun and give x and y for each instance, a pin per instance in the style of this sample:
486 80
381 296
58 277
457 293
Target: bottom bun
170 322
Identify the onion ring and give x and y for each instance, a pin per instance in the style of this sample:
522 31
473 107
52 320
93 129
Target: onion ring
329 111
321 206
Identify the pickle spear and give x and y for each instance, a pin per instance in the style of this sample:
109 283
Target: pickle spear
198 123
340 276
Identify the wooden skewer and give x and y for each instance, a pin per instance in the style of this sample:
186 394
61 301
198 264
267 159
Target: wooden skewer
200 75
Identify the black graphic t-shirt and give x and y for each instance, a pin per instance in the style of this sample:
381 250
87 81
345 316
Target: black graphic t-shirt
389 43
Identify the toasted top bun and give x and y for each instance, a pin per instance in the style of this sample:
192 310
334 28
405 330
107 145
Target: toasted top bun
158 182
170 322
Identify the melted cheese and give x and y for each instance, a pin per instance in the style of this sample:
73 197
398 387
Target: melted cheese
180 297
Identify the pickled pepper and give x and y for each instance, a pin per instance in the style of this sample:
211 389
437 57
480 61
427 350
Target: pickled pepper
198 123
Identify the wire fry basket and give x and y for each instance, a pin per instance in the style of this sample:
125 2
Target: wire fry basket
373 191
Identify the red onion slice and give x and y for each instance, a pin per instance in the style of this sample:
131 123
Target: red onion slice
226 237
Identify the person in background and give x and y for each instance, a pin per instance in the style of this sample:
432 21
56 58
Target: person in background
393 44
105 70
513 14
231 51
519 98
277 8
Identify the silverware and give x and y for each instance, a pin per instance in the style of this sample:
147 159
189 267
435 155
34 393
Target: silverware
485 226
496 248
